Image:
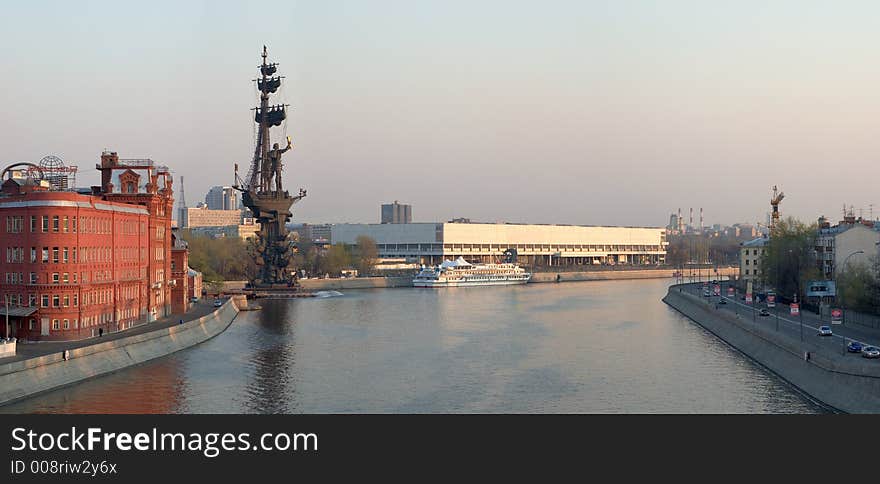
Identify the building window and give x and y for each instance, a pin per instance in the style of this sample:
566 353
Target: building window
33 255
747 272
66 324
55 324
66 300
54 255
56 301
33 223
45 223
33 277
65 223
65 278
55 223
73 223
76 300
45 255
31 324
55 277
64 255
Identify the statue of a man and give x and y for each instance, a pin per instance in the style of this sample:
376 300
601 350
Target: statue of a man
275 164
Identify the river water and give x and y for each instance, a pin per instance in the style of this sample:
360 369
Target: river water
585 347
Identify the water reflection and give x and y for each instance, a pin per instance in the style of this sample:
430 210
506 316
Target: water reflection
273 359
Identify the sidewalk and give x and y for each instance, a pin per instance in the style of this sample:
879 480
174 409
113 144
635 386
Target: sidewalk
32 350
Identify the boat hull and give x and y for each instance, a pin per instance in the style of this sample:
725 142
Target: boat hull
434 284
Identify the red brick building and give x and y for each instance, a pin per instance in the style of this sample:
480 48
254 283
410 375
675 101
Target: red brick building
79 263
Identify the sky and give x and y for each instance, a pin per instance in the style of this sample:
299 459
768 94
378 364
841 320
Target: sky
613 112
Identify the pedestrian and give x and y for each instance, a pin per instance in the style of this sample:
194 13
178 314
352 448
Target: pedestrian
181 321
100 332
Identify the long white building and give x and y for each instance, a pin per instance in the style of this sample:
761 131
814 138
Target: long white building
431 243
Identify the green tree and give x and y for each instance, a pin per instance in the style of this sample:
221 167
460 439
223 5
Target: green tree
789 260
338 257
857 287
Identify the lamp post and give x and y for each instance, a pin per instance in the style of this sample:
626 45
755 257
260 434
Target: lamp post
843 269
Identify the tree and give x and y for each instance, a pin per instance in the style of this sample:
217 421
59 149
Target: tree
367 253
857 287
789 260
338 257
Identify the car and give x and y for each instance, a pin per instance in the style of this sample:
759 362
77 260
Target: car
217 303
193 300
722 301
855 347
706 293
824 331
871 352
764 312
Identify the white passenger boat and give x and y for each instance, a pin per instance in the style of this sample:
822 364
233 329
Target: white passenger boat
459 273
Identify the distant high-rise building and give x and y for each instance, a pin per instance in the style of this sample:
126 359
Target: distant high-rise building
222 198
395 213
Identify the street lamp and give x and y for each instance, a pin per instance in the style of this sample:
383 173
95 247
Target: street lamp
843 269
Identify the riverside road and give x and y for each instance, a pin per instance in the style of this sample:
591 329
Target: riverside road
804 327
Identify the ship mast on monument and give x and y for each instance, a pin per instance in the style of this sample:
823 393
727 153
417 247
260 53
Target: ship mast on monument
262 189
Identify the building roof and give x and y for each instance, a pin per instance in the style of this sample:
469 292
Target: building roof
759 242
18 311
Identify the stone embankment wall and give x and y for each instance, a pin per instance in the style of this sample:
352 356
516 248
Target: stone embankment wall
406 281
25 378
846 384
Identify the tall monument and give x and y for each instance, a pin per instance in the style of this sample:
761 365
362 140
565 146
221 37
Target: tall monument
262 189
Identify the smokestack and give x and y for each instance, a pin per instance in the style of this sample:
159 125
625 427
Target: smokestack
680 222
691 222
701 220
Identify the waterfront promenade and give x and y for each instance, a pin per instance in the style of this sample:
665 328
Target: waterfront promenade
33 350
42 367
790 347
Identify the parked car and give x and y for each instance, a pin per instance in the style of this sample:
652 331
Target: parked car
871 352
764 312
854 347
217 303
824 331
722 301
193 299
706 293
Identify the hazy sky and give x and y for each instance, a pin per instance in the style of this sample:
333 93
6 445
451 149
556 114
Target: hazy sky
584 112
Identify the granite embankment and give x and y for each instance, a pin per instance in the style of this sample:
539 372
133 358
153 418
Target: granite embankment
845 384
26 378
568 276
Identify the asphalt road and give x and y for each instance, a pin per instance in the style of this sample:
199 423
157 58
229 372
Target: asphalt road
805 326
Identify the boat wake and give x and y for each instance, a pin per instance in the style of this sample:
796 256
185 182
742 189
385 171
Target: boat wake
328 294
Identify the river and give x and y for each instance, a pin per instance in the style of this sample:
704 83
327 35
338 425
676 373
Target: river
585 347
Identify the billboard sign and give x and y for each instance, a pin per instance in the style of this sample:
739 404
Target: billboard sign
730 291
771 300
821 289
795 309
836 316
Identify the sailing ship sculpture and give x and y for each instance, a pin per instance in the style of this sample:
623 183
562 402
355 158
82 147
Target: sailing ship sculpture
263 191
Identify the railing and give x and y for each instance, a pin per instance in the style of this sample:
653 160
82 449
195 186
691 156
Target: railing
136 162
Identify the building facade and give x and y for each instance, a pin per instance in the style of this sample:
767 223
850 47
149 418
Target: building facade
750 254
851 241
222 198
82 264
396 213
205 217
550 245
